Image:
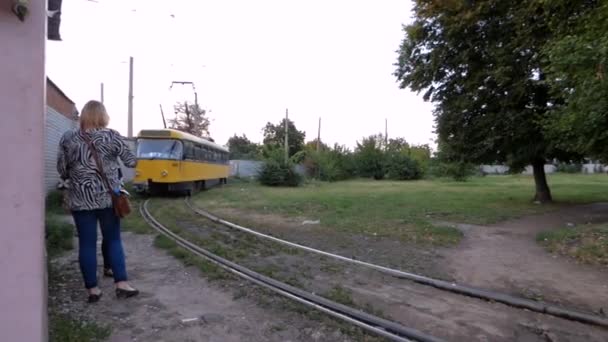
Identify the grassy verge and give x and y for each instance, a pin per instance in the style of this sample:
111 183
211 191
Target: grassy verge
211 271
587 244
405 210
62 328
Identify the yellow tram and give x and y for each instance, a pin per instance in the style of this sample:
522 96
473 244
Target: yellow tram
169 160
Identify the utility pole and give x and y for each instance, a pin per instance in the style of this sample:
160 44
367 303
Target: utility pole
319 149
319 137
101 92
130 113
163 115
385 132
286 135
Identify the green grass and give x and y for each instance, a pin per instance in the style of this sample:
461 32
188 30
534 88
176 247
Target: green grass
62 328
587 244
406 209
134 222
340 295
210 270
60 235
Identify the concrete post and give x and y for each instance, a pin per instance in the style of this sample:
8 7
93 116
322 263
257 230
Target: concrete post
23 297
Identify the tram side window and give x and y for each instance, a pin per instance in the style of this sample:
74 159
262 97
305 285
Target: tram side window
189 151
208 154
199 153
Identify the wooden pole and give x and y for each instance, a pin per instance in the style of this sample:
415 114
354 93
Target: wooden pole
286 135
319 137
385 132
130 113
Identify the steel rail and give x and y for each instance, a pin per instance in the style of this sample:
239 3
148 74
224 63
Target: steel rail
391 330
470 291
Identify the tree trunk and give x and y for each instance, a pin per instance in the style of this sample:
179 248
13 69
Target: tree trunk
543 193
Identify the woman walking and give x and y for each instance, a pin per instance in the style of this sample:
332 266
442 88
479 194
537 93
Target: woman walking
89 198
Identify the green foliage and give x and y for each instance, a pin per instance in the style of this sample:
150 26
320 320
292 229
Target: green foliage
62 328
399 166
274 135
576 60
59 235
569 168
479 62
278 172
54 202
370 158
588 244
458 171
399 160
329 164
422 155
243 148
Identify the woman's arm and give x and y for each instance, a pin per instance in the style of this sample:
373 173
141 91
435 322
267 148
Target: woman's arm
124 152
62 161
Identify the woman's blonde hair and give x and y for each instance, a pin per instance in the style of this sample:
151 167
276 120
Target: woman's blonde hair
94 115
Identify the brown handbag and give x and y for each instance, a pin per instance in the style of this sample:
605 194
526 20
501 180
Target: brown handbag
120 201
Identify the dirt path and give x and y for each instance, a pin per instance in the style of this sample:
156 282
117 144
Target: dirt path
171 293
449 316
506 257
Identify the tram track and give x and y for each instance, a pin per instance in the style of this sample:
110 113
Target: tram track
371 323
465 290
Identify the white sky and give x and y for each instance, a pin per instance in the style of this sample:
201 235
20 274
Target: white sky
249 61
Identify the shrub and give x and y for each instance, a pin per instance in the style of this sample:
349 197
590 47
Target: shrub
277 172
569 168
59 235
401 167
369 157
458 171
330 164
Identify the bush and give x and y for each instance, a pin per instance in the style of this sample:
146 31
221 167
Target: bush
59 235
274 173
330 164
458 171
370 158
569 168
54 202
401 167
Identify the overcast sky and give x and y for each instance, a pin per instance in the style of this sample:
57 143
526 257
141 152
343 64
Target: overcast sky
249 60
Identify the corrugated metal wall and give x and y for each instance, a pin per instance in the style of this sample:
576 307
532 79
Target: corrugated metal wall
56 125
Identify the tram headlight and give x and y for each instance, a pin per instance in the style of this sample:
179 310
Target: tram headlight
164 173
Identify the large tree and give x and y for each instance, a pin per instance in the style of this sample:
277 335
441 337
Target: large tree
243 148
577 57
480 63
190 118
275 135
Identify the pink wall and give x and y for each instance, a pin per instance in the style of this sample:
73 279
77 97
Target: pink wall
23 315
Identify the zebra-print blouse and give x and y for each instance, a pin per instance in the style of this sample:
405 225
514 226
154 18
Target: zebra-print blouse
75 163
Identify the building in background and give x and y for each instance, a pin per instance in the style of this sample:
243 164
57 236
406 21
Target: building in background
61 116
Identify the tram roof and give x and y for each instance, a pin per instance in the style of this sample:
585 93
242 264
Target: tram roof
175 134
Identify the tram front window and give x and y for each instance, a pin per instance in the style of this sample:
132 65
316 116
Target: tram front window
159 149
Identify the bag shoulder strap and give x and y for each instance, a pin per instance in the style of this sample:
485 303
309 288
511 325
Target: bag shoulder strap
87 139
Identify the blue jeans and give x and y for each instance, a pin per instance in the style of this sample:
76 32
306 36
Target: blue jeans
86 223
